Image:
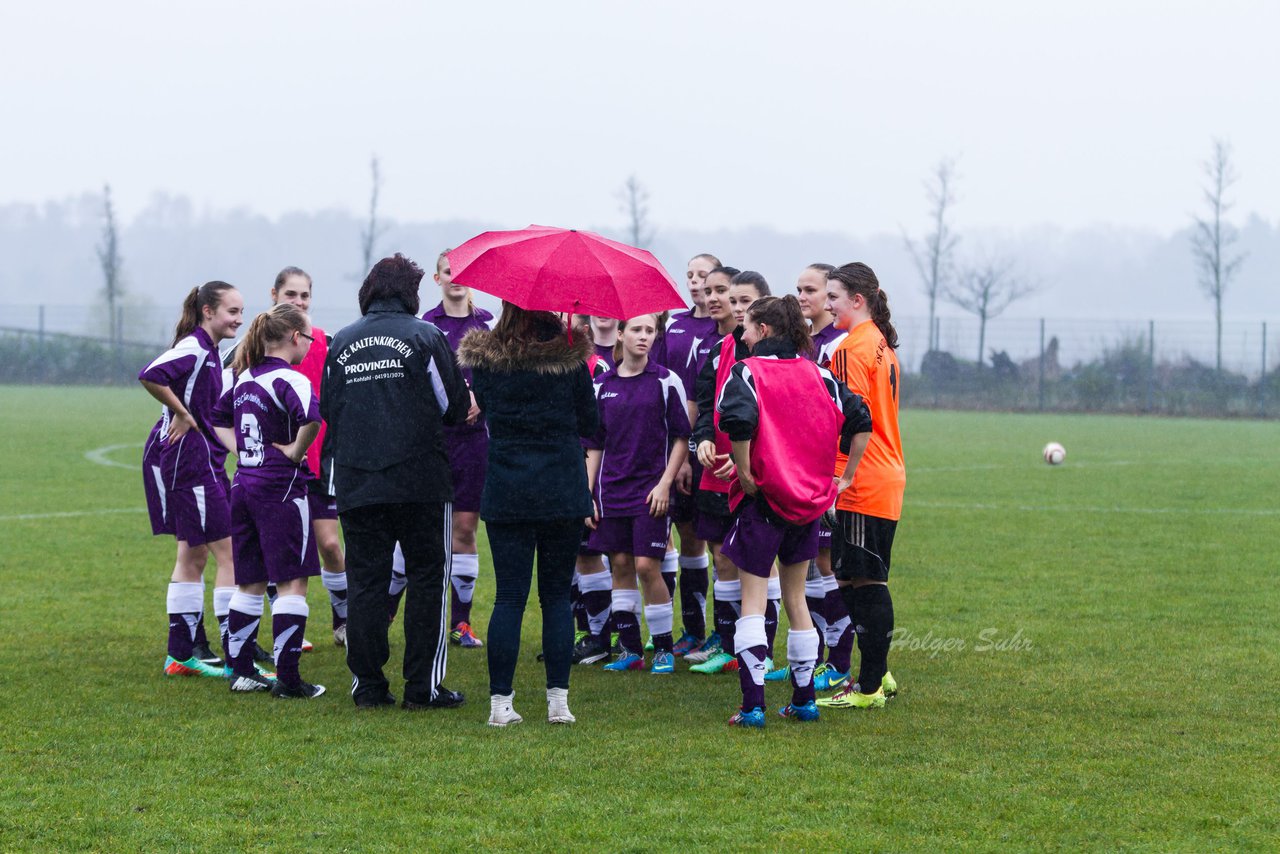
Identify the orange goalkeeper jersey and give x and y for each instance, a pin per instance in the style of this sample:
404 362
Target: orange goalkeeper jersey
866 363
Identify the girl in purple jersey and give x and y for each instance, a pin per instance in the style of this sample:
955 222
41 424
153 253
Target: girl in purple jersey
467 446
682 348
776 408
270 418
631 465
826 607
184 475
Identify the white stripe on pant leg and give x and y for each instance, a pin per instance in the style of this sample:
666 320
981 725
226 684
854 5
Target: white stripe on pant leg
440 663
163 493
199 494
304 514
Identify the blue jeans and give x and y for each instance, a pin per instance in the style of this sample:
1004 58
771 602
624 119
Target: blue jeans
513 546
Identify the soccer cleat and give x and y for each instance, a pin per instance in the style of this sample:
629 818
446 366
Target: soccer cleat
779 675
463 636
500 711
805 712
249 684
298 691
204 653
191 667
648 645
753 718
705 650
308 646
589 650
558 706
721 662
579 635
260 654
626 661
889 685
852 698
826 678
687 644
663 663
615 648
227 672
340 635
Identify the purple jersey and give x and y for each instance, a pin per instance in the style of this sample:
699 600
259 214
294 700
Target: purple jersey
685 345
640 417
267 405
604 352
192 370
455 329
825 343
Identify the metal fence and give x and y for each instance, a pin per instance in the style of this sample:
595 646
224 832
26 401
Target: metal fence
1102 365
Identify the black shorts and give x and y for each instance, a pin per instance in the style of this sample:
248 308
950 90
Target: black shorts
861 546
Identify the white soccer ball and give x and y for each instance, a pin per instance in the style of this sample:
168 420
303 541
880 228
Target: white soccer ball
1054 454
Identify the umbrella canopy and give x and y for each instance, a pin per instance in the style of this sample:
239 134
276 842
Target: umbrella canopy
564 270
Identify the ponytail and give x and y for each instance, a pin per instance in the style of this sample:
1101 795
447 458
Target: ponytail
208 295
783 316
270 327
858 278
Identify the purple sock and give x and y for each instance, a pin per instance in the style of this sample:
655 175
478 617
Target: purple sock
578 602
693 597
751 654
460 610
242 635
840 636
628 631
183 602
770 624
288 620
596 606
201 639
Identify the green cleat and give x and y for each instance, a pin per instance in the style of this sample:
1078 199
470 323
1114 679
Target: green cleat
889 685
852 698
721 662
780 675
191 667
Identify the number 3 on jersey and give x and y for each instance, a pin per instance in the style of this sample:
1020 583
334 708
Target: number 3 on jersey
254 451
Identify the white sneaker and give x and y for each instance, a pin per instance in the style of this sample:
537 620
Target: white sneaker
500 711
558 706
340 635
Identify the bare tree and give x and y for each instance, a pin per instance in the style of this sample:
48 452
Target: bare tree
985 289
634 202
370 234
1212 239
111 261
933 254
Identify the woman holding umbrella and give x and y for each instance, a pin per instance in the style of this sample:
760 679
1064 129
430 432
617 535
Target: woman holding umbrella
532 384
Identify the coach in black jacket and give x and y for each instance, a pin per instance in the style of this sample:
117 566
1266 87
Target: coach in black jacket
390 381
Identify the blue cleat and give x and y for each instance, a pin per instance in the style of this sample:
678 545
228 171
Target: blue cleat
805 713
626 661
744 718
663 663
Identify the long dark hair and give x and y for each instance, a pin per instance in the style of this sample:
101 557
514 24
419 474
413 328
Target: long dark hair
858 278
520 324
783 316
270 327
397 278
208 295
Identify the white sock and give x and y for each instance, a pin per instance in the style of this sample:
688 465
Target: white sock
750 632
696 562
829 583
814 588
335 583
292 604
775 589
802 652
731 592
596 581
463 575
660 618
671 562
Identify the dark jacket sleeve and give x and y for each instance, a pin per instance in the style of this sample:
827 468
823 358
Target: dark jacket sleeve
584 403
857 417
704 393
443 365
739 409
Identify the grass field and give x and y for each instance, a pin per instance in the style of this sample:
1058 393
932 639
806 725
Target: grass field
1131 705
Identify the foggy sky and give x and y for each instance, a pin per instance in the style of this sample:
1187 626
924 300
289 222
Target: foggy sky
805 116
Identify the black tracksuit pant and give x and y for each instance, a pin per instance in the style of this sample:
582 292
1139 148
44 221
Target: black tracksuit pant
371 532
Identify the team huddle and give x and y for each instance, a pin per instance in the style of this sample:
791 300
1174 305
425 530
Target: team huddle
747 449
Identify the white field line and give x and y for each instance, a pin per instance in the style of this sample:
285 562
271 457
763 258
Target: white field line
71 514
99 456
1146 511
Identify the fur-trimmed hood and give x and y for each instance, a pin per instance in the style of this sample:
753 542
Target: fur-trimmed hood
481 349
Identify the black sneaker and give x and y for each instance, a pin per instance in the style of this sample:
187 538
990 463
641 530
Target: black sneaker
204 653
261 655
298 691
444 699
367 701
589 650
249 684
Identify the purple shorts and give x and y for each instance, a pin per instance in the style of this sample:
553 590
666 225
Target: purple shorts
154 488
468 454
200 514
584 547
271 539
712 528
322 506
824 538
642 536
754 541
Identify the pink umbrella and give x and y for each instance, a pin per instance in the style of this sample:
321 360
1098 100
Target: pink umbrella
565 270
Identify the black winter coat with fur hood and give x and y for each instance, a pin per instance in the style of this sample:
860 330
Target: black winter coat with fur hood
538 402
